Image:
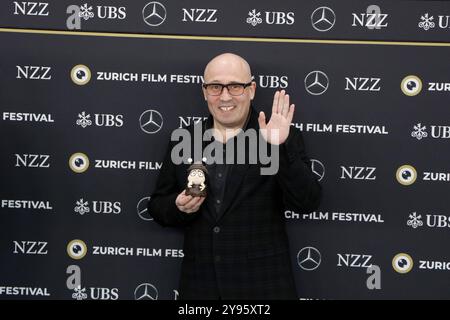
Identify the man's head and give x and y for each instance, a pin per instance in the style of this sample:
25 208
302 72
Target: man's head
228 109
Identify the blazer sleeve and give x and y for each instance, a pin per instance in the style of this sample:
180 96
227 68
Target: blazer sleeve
161 205
301 190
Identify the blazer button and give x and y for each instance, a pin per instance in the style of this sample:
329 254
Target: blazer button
216 229
217 258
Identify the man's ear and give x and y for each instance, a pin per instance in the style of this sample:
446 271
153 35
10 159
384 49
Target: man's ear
204 94
253 86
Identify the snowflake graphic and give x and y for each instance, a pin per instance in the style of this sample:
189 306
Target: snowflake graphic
86 12
82 207
419 132
79 293
427 22
254 18
416 220
84 120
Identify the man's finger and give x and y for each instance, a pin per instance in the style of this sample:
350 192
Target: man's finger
182 199
290 115
192 203
275 102
262 120
280 101
285 109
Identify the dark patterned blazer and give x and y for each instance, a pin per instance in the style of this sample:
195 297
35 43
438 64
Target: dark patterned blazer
242 252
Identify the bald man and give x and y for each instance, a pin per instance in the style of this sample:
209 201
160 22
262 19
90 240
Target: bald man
236 245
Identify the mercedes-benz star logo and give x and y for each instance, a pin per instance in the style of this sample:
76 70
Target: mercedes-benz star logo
316 83
154 14
318 169
323 19
146 291
142 209
309 258
151 121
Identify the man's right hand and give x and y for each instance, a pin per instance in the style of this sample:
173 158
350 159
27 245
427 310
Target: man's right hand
188 204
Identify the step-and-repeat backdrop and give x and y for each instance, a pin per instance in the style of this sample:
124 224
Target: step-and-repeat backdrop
90 92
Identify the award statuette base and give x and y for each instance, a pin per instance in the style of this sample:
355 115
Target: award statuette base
195 191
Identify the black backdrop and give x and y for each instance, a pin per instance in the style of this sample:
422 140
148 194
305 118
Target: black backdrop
359 131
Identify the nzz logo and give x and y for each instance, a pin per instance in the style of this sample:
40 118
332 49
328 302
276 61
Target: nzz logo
362 84
199 15
372 19
358 173
33 73
32 160
354 260
28 8
30 247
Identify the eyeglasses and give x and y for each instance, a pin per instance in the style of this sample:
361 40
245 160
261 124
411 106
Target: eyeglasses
234 89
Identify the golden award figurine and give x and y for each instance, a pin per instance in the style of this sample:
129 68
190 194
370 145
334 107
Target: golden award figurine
196 180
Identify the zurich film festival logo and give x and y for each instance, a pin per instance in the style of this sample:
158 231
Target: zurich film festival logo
309 258
154 14
411 85
76 249
80 74
79 162
406 175
323 19
402 263
426 22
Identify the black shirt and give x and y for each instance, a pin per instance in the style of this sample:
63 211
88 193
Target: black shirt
218 172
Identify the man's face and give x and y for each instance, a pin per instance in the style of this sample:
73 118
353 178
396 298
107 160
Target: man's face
229 111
